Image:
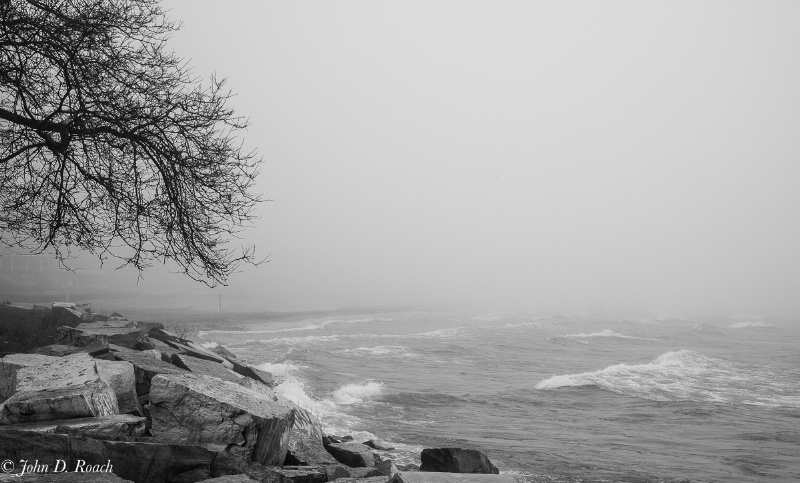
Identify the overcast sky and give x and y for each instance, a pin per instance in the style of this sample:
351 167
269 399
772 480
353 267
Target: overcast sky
552 155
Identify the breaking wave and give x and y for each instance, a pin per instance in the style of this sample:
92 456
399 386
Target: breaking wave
380 351
689 376
581 338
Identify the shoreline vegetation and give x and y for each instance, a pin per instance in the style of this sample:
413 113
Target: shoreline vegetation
142 400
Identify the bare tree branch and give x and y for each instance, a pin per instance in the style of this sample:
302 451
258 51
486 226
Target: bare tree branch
109 144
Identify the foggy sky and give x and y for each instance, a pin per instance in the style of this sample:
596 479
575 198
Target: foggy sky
552 155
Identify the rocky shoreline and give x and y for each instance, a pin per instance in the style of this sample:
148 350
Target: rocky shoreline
112 399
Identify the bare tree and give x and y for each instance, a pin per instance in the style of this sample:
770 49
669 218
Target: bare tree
108 143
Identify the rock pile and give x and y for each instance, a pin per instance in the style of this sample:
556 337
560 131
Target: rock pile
135 402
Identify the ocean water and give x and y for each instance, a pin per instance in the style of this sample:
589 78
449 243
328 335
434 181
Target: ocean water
550 398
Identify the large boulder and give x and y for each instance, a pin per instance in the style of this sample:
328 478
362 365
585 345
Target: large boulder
145 462
59 388
351 454
145 367
99 335
121 377
197 409
116 427
108 324
456 460
204 366
92 399
10 364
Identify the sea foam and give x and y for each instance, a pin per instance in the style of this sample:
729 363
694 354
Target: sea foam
688 376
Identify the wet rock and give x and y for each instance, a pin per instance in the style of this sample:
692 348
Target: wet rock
228 464
351 454
145 367
197 409
122 379
385 466
379 445
456 460
203 366
246 370
116 427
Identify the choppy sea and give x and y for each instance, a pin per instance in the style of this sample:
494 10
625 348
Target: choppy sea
550 398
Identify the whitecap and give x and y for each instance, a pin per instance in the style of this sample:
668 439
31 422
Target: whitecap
357 393
687 375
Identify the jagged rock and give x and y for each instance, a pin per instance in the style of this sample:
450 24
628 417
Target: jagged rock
25 445
456 460
96 335
428 477
145 367
385 466
122 379
228 464
92 399
57 350
305 443
116 427
351 454
59 388
10 364
165 350
65 477
197 409
145 462
254 373
66 335
379 445
221 351
203 366
68 315
109 323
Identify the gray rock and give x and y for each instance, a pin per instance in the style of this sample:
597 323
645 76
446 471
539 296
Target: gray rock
10 364
165 350
196 409
254 373
65 477
301 474
231 479
57 350
385 466
108 324
92 399
203 366
228 464
427 477
379 445
145 462
145 367
221 351
66 335
122 379
372 479
456 460
364 472
351 454
73 370
116 427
